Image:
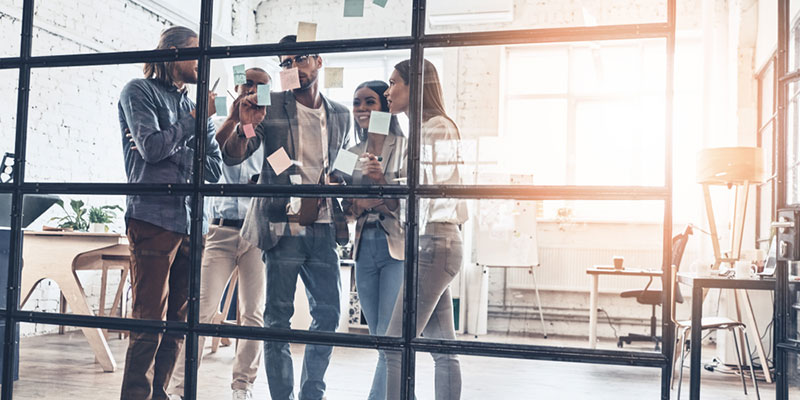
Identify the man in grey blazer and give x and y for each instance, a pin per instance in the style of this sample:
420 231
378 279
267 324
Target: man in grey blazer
297 235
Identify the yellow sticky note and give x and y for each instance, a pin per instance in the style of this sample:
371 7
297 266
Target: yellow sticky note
334 77
306 31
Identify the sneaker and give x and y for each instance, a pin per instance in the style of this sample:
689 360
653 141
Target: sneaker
242 394
175 397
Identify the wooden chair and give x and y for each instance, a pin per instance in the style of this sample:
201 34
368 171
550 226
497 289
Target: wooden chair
683 330
111 258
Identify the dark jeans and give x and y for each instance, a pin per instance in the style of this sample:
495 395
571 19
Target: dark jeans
160 286
313 257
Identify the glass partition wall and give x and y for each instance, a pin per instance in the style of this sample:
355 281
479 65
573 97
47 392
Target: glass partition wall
553 121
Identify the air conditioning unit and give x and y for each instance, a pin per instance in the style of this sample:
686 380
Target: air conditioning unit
451 12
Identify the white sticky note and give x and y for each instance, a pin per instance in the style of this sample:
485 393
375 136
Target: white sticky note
295 179
306 31
263 95
294 205
249 132
279 161
221 104
290 79
334 77
346 161
379 122
239 75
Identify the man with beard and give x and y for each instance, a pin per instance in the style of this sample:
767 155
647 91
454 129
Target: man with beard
297 236
157 120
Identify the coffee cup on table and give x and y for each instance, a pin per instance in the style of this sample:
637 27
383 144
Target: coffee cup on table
742 268
618 262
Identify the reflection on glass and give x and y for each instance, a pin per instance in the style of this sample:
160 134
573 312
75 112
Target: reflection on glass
11 27
474 16
93 26
793 145
8 115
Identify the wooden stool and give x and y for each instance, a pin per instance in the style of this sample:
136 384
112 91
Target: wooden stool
114 257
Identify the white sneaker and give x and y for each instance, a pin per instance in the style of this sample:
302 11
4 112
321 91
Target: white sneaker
175 397
242 394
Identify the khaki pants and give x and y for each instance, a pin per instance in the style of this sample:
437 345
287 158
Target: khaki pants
225 250
160 286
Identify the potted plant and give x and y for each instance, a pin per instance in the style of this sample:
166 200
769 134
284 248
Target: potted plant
100 216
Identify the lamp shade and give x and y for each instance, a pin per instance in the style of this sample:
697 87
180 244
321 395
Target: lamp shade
730 165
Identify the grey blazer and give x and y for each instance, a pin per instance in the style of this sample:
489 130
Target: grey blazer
394 155
266 220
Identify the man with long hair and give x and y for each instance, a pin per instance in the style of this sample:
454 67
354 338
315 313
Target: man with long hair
297 237
157 120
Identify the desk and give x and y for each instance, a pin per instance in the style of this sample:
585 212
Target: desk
698 285
595 273
52 255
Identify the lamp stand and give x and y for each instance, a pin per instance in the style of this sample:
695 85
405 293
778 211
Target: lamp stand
737 228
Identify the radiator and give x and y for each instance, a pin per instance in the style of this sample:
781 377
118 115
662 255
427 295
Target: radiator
564 269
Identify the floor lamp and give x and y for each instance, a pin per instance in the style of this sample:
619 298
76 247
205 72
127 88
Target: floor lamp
738 167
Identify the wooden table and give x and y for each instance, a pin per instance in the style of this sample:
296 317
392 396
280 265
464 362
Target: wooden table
699 286
52 255
595 273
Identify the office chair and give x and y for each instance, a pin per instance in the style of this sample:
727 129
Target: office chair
653 297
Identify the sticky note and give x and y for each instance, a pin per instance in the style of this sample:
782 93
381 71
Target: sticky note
353 8
295 179
221 104
379 122
306 31
279 161
263 95
334 77
380 3
239 76
249 132
346 161
290 79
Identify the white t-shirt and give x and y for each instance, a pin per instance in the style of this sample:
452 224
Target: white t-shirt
313 151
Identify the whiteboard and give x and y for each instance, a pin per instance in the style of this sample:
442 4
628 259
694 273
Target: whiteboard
507 230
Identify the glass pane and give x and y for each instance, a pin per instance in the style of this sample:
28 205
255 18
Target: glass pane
499 253
472 15
9 79
59 362
238 22
793 145
767 94
83 131
105 26
500 378
349 374
11 27
794 35
342 273
548 114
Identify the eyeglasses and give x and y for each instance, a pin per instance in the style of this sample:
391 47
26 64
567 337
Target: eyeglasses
300 61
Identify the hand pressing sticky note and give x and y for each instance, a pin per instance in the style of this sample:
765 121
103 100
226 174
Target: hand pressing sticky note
221 104
239 75
306 31
334 77
249 132
290 79
353 8
263 95
346 161
279 161
379 122
380 3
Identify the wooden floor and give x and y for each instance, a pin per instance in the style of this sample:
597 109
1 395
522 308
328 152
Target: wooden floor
61 367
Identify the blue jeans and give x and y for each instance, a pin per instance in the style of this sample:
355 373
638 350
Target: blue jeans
313 257
379 278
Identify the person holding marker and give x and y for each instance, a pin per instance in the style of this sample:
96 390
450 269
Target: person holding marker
225 250
296 237
157 122
440 248
379 248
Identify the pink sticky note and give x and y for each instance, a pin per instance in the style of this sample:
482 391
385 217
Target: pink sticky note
249 132
280 161
290 79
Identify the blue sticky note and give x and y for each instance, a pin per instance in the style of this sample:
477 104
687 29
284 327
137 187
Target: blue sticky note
379 122
239 76
380 3
353 8
263 95
221 103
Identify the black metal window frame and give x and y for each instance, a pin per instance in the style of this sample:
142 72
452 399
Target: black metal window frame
408 344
